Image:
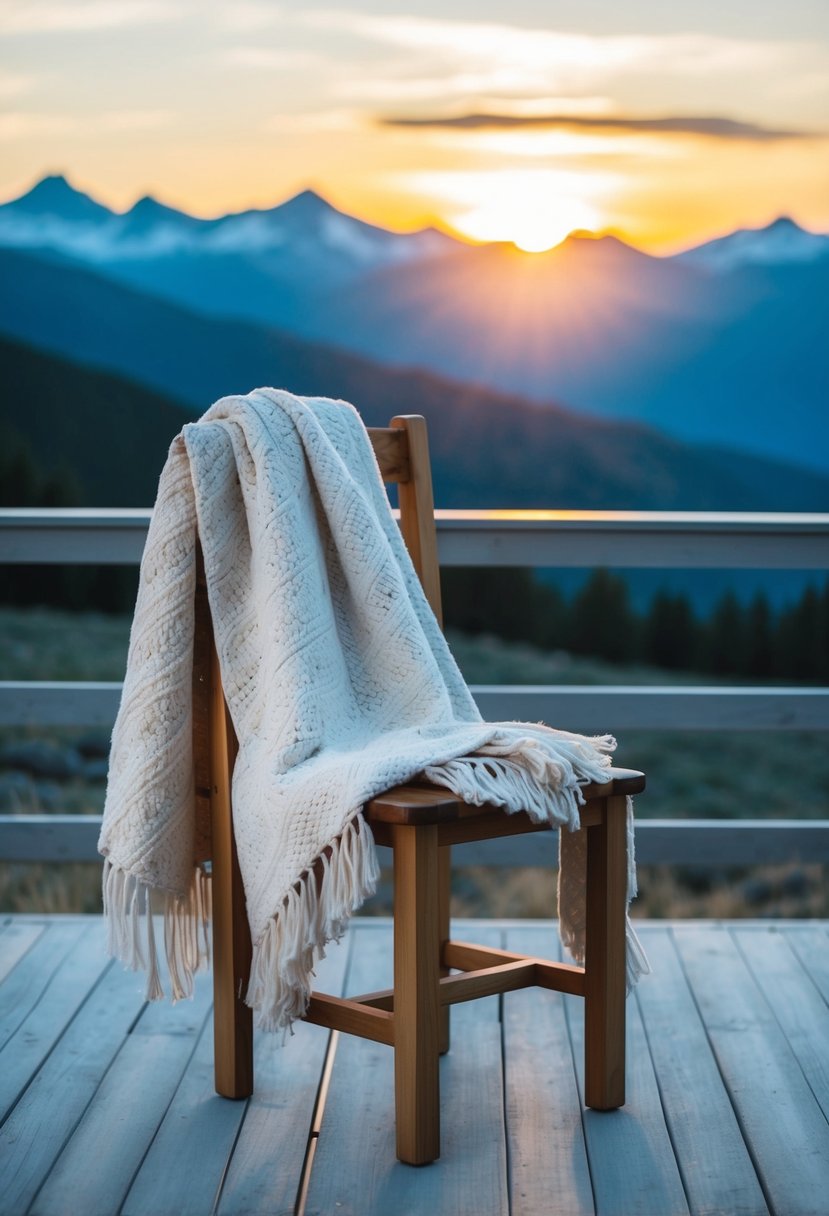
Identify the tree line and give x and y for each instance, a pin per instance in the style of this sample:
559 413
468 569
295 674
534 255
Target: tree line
752 641
24 483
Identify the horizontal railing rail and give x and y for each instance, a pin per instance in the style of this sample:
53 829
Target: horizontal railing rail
585 707
673 539
491 538
692 842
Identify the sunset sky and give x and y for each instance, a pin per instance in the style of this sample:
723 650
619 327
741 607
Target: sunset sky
667 123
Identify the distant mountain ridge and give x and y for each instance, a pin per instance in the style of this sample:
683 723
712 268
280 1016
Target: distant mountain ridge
24 223
783 241
55 215
152 364
726 344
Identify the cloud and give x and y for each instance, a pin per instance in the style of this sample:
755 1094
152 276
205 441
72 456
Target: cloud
312 123
278 59
23 125
64 16
244 16
494 47
16 85
29 126
712 126
438 59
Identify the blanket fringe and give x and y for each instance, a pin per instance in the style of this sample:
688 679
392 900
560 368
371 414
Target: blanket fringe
542 776
520 773
314 912
186 918
572 878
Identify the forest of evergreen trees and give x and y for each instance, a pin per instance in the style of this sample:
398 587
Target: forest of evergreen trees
751 641
24 483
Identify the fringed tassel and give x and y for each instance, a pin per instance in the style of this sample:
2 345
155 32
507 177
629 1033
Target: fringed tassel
572 882
539 774
637 960
128 900
315 911
542 775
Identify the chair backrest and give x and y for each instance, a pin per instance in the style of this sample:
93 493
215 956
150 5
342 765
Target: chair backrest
402 451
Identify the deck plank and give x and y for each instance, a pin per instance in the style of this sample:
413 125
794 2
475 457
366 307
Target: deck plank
30 979
776 1108
632 1162
801 1011
811 945
16 938
265 1170
49 1110
355 1170
183 1169
118 1127
728 1084
715 1165
545 1140
67 989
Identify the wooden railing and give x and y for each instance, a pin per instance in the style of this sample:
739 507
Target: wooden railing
495 538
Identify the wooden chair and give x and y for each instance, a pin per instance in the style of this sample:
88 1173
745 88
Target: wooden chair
420 823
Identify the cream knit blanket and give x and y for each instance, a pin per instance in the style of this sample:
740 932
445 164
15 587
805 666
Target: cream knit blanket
339 683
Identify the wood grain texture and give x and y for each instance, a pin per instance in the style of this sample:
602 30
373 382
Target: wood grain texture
417 509
548 1157
30 979
416 994
232 948
391 449
716 1166
68 987
118 1128
710 1064
799 1008
811 945
777 1110
265 1171
16 938
560 977
605 960
59 1093
444 896
337 1013
472 985
424 804
355 1171
632 1163
183 1169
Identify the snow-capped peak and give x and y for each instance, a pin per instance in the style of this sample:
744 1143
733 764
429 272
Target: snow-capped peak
779 242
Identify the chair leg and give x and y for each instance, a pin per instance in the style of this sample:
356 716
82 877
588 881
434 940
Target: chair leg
232 1018
604 1005
416 993
444 899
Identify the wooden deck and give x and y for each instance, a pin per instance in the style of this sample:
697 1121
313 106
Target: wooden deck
108 1106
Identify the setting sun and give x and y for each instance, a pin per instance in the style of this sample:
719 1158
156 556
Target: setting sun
533 224
535 209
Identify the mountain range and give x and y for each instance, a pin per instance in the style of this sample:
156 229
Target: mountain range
99 377
722 346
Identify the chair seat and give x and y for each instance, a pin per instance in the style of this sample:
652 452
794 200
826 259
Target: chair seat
421 804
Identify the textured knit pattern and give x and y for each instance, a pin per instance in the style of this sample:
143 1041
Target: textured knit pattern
338 680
